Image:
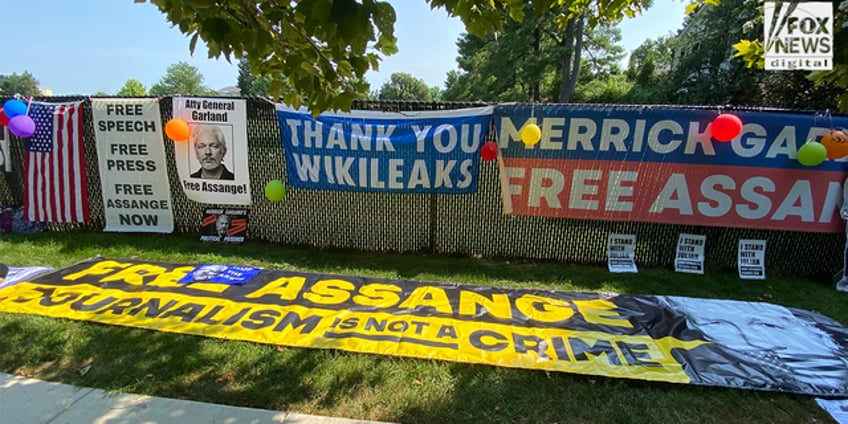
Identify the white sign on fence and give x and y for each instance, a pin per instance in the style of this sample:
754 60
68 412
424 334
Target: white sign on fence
752 259
621 255
690 254
133 169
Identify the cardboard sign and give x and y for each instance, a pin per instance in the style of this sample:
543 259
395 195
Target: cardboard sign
131 156
212 163
752 259
620 253
690 254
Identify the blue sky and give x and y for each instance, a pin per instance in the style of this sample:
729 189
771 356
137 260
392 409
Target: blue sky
80 47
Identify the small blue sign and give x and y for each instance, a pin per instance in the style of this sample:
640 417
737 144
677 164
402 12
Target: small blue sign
224 274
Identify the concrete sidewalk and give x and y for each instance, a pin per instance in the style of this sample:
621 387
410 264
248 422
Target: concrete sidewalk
29 401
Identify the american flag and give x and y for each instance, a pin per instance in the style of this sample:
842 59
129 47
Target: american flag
56 187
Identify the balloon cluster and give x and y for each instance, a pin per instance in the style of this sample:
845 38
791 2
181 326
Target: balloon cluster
530 134
833 145
13 114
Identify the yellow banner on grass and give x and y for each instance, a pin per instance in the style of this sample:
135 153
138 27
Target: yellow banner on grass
585 333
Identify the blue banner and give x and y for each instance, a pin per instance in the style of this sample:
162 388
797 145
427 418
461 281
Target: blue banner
395 152
222 274
662 135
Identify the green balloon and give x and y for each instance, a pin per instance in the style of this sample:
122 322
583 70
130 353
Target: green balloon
812 153
275 190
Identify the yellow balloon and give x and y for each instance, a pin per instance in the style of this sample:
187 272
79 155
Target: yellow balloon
531 134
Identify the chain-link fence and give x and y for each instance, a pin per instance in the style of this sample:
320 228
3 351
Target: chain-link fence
451 224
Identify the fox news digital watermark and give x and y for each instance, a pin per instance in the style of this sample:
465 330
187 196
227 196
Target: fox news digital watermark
799 36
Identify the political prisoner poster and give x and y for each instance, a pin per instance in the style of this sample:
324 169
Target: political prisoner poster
133 169
224 225
212 163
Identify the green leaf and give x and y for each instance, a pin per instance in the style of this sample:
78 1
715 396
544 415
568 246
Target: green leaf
344 101
276 88
751 52
193 43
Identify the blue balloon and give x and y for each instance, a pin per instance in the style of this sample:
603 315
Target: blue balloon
13 108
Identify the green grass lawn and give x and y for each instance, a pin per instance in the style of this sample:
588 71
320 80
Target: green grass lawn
336 383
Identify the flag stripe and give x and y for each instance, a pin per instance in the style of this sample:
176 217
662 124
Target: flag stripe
44 174
55 165
82 182
63 205
55 193
28 158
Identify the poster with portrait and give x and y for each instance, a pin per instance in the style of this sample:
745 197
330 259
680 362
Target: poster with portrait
221 274
223 225
212 163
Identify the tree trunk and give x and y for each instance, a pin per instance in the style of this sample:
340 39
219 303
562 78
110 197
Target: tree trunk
535 91
573 43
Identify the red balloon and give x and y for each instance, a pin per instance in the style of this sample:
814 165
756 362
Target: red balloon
726 127
489 151
4 120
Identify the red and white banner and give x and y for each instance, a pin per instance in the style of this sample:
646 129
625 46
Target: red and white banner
635 164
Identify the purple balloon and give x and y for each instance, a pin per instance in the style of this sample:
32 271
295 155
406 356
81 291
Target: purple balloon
21 126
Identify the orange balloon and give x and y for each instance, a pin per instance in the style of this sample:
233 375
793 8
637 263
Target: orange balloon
177 130
836 143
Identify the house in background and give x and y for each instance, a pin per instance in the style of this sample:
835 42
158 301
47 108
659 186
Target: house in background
703 70
230 91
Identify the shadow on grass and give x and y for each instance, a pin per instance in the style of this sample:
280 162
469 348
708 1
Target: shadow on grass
335 383
720 284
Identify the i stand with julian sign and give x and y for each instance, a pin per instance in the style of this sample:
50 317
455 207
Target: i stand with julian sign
690 254
752 259
621 255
